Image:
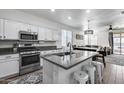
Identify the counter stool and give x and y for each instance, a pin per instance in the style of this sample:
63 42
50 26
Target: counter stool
99 69
81 76
91 70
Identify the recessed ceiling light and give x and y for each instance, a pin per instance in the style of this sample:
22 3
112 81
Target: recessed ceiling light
69 18
88 11
52 10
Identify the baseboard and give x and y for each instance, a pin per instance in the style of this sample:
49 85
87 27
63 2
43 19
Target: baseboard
9 76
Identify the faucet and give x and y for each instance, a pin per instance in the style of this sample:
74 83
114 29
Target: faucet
69 45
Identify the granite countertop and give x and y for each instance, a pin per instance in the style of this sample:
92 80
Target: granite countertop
87 48
69 61
7 51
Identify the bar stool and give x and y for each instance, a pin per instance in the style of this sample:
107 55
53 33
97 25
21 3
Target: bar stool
99 68
81 76
91 70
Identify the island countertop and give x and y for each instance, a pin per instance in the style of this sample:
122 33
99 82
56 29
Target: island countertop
69 61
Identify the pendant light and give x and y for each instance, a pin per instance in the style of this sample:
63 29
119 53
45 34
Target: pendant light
110 28
88 31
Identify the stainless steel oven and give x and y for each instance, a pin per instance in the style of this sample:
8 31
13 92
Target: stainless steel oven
29 61
29 58
25 35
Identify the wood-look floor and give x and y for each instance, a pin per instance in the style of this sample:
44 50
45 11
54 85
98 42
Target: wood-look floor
113 74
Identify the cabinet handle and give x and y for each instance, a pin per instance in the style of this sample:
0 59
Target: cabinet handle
4 36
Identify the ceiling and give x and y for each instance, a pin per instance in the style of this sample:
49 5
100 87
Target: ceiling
97 17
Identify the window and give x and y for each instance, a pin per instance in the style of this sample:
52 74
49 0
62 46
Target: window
66 37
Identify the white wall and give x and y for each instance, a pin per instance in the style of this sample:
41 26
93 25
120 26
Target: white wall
102 37
99 37
78 42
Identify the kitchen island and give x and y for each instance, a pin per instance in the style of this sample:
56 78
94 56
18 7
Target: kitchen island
58 68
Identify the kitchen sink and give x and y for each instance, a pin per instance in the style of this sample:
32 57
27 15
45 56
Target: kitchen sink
65 53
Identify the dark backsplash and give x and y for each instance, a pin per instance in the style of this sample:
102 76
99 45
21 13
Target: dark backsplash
42 48
6 51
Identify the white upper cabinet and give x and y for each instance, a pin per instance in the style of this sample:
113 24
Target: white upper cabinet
24 27
1 29
48 33
33 28
11 29
56 35
41 33
27 27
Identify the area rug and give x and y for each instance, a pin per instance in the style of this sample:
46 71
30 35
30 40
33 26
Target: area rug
115 59
33 78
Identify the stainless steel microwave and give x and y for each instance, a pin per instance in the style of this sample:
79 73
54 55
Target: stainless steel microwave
25 35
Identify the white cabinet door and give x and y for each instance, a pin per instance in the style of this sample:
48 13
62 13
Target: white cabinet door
54 35
1 29
27 27
11 29
41 34
33 28
24 27
59 36
9 68
48 33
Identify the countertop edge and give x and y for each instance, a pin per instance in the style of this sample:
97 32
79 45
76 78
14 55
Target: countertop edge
66 68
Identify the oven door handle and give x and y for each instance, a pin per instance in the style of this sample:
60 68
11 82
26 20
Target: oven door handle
24 55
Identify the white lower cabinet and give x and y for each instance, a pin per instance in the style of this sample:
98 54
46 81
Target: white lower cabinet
45 53
9 65
9 68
